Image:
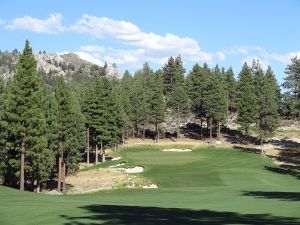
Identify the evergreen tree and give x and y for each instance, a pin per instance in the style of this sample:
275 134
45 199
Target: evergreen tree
292 85
178 100
267 118
231 90
122 96
215 99
88 108
246 99
106 120
140 103
70 127
273 82
24 124
2 149
198 90
157 103
169 74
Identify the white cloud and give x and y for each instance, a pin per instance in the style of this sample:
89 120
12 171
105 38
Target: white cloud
2 22
92 48
154 47
284 58
258 52
221 55
263 62
51 25
90 58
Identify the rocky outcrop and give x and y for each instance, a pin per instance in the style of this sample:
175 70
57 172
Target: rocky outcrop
53 64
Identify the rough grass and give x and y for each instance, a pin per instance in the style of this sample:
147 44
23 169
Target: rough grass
205 186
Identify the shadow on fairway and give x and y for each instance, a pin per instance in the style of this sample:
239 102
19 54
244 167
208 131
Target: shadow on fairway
284 170
137 215
286 196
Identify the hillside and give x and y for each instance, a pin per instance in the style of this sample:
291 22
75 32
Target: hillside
53 64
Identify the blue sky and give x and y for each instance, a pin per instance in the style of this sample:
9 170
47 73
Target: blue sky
134 31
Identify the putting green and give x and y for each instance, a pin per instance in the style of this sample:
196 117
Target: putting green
205 186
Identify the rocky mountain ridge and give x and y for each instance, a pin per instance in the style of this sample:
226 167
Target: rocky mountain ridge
53 64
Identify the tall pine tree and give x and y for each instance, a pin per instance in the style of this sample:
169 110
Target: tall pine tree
24 124
246 99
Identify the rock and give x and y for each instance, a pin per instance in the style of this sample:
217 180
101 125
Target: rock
218 142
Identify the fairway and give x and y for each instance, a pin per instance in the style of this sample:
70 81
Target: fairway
204 186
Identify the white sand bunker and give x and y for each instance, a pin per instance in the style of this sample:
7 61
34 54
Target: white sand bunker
177 150
115 159
151 186
137 169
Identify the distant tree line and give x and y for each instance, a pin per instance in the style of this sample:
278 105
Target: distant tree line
48 126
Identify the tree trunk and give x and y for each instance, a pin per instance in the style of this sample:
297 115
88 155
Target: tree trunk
88 146
262 146
60 158
178 122
36 185
103 152
201 129
96 155
133 133
210 130
157 132
219 131
64 178
123 136
22 166
144 132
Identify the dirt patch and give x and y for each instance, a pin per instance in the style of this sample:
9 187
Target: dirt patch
108 178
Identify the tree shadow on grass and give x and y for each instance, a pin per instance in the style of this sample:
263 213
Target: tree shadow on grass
284 170
138 215
285 196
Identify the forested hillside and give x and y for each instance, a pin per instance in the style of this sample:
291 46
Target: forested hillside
49 123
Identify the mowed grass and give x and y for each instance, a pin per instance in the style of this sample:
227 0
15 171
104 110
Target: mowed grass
205 186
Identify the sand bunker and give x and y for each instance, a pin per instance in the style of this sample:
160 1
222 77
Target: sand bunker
150 186
177 150
137 169
115 159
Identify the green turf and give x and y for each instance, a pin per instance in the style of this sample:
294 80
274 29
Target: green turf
205 186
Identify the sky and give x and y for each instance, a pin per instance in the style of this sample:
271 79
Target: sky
131 32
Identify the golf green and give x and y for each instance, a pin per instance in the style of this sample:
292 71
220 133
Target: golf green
204 186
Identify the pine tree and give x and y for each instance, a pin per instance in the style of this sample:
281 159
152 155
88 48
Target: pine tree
2 150
169 74
140 103
246 99
157 103
178 100
24 124
231 90
105 120
292 85
121 94
267 118
197 85
88 108
70 131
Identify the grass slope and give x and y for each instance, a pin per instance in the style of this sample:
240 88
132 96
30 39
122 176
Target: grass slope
205 186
